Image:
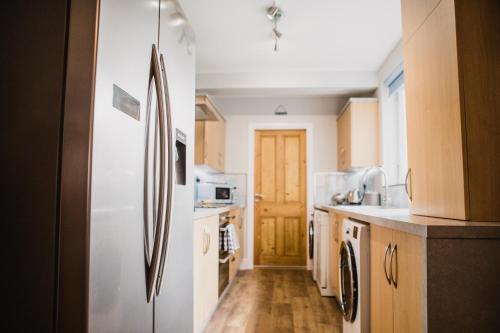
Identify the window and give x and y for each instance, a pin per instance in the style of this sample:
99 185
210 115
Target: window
394 127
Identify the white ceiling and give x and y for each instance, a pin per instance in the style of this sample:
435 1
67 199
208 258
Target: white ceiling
234 36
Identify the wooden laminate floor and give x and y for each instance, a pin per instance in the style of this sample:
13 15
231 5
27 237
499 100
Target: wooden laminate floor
275 300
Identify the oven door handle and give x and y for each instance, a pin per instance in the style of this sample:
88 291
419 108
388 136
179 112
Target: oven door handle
226 259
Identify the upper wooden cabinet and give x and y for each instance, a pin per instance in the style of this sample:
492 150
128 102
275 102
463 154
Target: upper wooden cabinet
414 13
210 136
205 108
450 51
358 134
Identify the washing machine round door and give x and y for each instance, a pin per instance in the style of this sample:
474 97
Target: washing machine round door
348 281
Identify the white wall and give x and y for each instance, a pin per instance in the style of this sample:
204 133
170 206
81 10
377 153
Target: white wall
324 139
388 118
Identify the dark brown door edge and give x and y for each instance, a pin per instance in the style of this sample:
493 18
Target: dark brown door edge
73 300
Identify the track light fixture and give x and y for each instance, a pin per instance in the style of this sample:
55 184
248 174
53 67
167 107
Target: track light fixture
275 14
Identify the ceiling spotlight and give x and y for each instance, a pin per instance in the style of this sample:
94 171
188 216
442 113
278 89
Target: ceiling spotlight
277 34
274 13
177 19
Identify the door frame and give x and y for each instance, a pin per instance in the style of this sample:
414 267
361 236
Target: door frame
248 260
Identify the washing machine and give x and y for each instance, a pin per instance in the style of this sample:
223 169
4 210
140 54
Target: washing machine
354 262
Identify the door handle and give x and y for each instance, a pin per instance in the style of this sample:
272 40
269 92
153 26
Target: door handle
408 177
258 197
394 251
387 250
170 177
153 267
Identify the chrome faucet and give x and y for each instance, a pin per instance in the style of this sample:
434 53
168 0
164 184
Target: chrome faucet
385 198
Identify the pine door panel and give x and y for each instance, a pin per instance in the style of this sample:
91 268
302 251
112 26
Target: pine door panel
280 207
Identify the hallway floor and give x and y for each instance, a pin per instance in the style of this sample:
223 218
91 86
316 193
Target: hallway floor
275 300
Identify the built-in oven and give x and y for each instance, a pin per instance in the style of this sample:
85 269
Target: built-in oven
224 256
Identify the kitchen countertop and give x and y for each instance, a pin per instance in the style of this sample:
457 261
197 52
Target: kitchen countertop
200 213
429 227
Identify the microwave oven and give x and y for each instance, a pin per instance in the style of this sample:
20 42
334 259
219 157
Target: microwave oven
218 193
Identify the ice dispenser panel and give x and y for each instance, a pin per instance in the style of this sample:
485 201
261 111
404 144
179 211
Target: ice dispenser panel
180 157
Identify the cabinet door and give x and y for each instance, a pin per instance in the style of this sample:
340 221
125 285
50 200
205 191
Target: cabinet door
414 13
215 144
408 270
334 254
381 302
234 264
344 140
364 149
205 270
199 149
199 245
211 268
435 146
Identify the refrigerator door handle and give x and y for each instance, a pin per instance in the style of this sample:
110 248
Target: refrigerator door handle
170 178
153 267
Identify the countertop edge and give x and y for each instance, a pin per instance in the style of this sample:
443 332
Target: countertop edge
455 229
207 212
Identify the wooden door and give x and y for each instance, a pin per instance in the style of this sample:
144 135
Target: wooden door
381 302
408 292
280 189
435 141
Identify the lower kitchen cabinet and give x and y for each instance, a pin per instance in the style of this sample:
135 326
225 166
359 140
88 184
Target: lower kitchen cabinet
206 270
236 216
335 240
397 275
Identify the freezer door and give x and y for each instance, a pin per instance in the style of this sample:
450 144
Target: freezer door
174 304
119 265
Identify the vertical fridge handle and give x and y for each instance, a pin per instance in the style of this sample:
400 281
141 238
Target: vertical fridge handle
153 267
170 177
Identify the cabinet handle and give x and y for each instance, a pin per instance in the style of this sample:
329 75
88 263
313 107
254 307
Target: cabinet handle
206 240
387 250
394 280
408 177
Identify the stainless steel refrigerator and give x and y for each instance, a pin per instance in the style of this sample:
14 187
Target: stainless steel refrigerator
117 232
